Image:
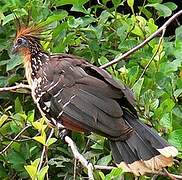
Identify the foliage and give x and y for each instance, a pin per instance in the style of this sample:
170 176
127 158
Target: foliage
99 33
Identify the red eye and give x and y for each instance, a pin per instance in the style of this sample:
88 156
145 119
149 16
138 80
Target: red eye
19 41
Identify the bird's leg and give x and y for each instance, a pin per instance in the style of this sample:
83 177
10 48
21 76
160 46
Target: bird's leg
63 133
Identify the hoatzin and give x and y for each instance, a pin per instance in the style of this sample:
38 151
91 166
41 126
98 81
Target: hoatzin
74 94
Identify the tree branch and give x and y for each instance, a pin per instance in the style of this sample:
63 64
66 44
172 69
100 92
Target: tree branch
68 140
158 47
80 157
131 51
5 149
23 86
44 149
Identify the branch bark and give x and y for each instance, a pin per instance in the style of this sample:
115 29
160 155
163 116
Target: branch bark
131 51
19 86
68 140
80 157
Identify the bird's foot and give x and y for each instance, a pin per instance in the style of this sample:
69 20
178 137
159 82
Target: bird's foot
63 133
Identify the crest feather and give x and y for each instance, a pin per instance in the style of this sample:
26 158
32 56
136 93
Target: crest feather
32 31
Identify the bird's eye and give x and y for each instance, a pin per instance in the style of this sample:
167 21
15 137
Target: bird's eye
19 41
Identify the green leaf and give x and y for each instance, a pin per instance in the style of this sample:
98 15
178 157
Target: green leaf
154 104
18 106
14 61
101 174
115 173
51 141
98 145
103 60
55 17
104 17
130 3
3 172
3 81
137 87
105 160
31 116
3 118
178 43
13 79
165 107
39 125
32 169
166 121
11 17
151 25
15 128
175 139
163 10
169 67
155 1
41 139
138 31
3 62
16 159
170 5
42 173
177 93
116 2
77 4
59 161
133 74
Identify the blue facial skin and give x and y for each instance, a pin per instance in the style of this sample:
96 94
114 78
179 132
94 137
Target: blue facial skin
20 43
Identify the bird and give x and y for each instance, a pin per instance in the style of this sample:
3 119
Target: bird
76 95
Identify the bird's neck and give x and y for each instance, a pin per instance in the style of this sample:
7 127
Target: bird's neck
33 63
37 61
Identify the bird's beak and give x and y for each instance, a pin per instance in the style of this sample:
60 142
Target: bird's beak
14 49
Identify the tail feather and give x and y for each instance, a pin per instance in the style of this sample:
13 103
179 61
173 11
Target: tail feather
144 152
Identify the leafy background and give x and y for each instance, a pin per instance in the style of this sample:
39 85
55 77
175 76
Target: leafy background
97 31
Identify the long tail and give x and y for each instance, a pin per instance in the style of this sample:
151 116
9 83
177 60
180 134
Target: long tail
144 152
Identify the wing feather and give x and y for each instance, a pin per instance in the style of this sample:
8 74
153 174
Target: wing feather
84 99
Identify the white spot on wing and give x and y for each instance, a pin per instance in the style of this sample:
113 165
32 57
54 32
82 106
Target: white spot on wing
57 94
52 87
48 104
60 114
59 100
66 105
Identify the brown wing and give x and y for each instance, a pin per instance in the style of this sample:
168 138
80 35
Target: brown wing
83 97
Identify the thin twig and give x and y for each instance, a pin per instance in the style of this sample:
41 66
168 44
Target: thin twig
74 170
80 157
171 176
158 47
16 140
131 51
44 148
23 86
46 161
41 158
5 149
104 167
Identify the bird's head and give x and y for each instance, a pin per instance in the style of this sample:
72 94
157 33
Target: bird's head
20 44
27 40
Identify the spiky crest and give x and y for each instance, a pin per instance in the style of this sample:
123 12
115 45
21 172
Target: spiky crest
33 32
